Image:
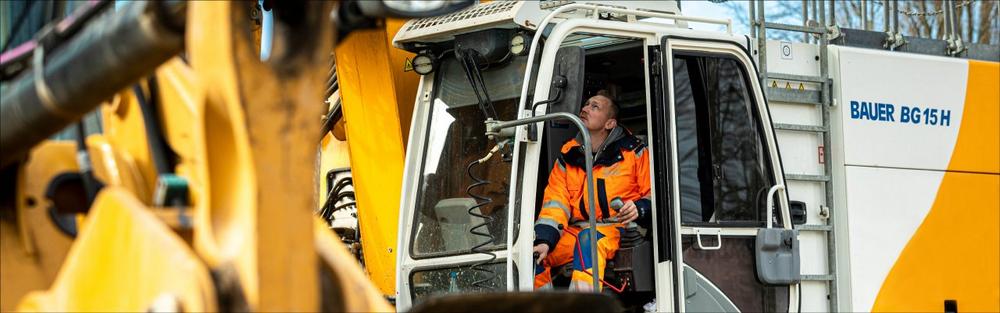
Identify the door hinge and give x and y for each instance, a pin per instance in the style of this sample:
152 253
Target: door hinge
655 65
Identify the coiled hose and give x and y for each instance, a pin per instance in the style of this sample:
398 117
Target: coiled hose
477 230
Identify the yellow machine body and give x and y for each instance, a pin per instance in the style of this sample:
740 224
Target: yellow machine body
377 101
32 249
243 133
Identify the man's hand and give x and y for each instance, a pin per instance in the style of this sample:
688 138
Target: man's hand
542 250
628 212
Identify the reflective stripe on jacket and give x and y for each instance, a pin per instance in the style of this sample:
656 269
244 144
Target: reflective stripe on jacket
621 170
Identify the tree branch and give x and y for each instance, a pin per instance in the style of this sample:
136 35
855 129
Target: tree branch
986 19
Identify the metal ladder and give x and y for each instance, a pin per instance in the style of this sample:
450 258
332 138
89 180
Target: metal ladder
821 98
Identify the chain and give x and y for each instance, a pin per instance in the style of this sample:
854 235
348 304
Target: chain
928 13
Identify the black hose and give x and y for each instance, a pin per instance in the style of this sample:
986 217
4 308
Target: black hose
159 151
332 84
335 195
90 184
332 117
481 248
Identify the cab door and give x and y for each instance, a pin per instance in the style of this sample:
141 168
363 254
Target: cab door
729 241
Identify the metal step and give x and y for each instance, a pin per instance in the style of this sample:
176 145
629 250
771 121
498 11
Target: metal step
799 127
821 97
801 177
817 277
795 28
793 95
814 227
798 78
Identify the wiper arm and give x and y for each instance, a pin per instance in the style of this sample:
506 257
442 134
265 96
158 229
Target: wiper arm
468 57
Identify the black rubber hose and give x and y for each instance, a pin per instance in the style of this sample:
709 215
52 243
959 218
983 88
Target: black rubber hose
159 150
90 184
337 194
481 248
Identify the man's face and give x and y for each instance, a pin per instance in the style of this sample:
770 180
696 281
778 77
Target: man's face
596 114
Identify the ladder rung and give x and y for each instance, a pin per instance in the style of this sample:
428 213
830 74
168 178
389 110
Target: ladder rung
797 127
792 95
795 28
817 277
800 177
798 78
814 227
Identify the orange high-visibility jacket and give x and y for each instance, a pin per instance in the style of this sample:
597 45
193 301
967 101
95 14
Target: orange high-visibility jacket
621 169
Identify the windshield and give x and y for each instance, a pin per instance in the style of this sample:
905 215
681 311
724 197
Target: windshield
455 138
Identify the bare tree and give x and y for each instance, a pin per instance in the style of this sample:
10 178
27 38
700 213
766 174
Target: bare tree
976 20
925 18
775 11
988 22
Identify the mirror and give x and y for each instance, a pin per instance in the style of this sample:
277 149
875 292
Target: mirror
797 210
567 80
777 256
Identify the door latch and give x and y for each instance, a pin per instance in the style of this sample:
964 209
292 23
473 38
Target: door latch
717 232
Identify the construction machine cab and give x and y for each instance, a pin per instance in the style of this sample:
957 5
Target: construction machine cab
471 192
612 67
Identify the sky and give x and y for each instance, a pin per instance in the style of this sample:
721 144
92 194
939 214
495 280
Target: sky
737 11
702 8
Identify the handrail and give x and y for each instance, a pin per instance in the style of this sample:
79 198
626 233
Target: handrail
770 205
640 13
532 52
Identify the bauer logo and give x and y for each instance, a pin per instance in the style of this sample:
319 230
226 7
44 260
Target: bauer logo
903 114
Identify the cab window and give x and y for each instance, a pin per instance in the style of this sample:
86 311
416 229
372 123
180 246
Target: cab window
723 172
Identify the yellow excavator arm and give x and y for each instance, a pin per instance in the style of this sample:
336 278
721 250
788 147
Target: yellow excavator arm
376 97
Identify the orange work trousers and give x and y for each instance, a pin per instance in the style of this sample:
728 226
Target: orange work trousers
567 250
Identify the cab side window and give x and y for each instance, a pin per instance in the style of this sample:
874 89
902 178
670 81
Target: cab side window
723 167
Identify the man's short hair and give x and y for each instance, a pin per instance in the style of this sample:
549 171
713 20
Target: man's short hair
611 103
614 108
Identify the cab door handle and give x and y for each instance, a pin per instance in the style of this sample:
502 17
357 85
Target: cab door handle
717 232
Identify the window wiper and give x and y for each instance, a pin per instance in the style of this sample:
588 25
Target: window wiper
469 60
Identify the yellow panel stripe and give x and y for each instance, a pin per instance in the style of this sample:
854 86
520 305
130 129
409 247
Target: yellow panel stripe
955 254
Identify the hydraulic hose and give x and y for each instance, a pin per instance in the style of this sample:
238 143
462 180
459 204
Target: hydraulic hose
338 194
159 151
112 52
477 230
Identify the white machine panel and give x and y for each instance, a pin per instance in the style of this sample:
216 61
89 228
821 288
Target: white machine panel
901 112
886 208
